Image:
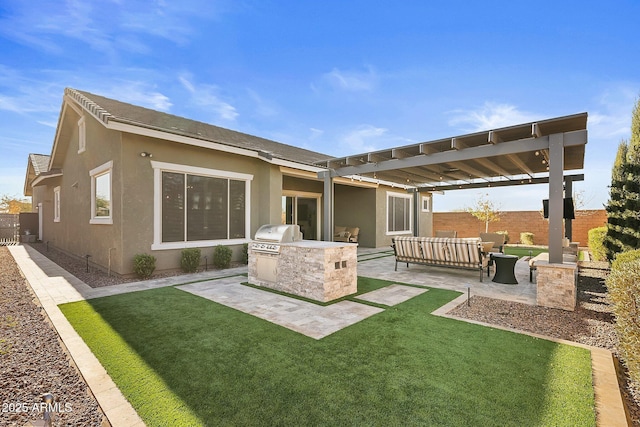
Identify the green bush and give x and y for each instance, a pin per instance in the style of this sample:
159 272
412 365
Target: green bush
190 260
624 257
506 235
623 285
144 265
245 253
526 238
597 237
222 256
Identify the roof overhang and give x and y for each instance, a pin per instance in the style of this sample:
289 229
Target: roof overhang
46 175
514 155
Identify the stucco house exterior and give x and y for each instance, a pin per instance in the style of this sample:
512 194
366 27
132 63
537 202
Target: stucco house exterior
122 180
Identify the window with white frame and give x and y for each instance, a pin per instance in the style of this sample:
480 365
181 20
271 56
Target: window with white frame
426 204
194 206
56 204
399 213
101 206
82 135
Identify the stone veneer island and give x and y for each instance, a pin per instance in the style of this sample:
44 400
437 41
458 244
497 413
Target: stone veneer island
321 271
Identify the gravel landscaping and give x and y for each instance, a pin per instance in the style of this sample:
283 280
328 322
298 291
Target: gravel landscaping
34 363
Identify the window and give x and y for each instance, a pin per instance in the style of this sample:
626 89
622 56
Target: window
199 205
82 135
399 213
56 204
426 204
101 194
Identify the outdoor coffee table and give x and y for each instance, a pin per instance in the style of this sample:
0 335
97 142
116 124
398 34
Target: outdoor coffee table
505 268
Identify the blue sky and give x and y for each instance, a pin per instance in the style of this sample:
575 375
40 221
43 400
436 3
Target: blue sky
338 77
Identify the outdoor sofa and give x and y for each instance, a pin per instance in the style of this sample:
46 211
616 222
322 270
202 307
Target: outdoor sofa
441 252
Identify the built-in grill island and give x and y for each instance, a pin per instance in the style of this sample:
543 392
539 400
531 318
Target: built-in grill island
323 271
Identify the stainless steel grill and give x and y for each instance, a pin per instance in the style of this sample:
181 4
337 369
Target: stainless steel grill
269 237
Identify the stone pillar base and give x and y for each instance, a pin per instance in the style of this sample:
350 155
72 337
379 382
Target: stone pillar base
557 285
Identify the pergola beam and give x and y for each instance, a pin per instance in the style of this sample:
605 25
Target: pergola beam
493 184
515 147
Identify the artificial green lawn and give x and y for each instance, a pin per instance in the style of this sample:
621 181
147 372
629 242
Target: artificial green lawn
522 251
183 361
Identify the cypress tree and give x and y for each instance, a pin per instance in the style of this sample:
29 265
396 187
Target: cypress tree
623 209
614 208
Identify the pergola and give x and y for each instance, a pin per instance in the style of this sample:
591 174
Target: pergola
530 153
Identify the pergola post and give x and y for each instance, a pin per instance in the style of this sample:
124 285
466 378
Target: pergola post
327 205
556 202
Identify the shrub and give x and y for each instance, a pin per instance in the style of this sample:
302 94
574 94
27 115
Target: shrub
625 257
597 248
190 260
526 238
623 285
506 235
222 256
144 265
245 253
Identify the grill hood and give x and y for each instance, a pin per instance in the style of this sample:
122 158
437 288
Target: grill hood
279 233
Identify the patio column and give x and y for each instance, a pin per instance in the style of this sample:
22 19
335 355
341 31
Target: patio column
556 203
416 210
327 234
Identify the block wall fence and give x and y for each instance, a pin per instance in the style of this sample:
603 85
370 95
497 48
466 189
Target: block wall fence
516 222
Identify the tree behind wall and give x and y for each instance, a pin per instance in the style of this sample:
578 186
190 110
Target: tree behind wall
485 211
14 205
623 208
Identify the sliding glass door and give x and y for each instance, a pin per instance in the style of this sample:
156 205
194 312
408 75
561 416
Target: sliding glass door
302 209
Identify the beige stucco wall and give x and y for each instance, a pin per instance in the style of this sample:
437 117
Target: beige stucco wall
138 225
425 219
132 194
356 207
73 234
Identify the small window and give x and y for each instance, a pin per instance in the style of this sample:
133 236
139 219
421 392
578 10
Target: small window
426 204
101 208
399 215
82 136
56 204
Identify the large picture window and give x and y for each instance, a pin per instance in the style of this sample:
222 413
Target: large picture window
199 205
399 213
101 194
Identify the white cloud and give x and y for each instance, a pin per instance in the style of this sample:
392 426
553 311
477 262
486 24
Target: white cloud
105 27
364 138
490 116
203 95
611 119
263 107
23 94
352 81
137 93
315 133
